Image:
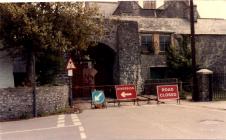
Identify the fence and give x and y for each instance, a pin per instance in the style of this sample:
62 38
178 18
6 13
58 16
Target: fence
185 88
219 86
84 92
149 88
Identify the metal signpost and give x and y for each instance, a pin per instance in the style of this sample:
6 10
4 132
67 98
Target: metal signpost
70 68
168 92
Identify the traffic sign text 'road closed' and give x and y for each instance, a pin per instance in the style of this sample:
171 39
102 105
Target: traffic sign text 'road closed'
125 92
167 92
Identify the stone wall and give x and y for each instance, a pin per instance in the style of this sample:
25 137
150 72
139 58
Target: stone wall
17 102
110 29
129 54
151 60
211 52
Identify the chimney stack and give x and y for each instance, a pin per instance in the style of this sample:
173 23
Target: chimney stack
149 4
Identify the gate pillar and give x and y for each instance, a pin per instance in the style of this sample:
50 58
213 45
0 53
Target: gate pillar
205 91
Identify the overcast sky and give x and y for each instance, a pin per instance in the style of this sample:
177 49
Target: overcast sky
208 8
212 8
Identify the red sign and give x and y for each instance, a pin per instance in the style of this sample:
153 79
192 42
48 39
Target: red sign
70 64
167 92
125 92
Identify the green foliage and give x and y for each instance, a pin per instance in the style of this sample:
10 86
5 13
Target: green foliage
63 26
179 60
48 66
29 29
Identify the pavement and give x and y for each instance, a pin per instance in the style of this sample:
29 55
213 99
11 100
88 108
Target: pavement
220 105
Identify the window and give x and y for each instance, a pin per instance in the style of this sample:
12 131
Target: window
147 43
158 72
164 42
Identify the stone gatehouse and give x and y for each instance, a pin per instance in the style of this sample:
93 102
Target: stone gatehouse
139 37
133 47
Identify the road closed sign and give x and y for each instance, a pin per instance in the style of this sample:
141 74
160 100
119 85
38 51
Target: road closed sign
125 92
167 92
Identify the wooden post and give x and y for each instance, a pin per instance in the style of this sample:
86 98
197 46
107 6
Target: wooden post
195 83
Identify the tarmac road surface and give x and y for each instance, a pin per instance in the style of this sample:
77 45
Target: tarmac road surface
128 122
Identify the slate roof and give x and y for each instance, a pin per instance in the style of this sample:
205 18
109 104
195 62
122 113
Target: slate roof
178 25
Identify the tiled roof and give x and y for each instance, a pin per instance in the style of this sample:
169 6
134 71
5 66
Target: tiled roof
178 25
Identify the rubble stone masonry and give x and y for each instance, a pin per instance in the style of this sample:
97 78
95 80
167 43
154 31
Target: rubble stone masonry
17 102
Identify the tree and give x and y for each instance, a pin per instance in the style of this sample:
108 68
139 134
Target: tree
179 59
30 29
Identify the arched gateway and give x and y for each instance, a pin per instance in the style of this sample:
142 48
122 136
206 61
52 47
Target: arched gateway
96 69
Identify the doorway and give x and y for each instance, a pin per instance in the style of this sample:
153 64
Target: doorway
103 57
101 60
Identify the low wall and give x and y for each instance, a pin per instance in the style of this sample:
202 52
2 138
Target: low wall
17 102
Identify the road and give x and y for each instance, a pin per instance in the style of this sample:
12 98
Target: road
165 121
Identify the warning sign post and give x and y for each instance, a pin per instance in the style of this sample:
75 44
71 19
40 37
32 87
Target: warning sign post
70 67
125 92
168 92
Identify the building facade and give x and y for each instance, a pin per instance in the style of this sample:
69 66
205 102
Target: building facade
139 37
133 47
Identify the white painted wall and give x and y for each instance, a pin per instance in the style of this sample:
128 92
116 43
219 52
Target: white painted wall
6 71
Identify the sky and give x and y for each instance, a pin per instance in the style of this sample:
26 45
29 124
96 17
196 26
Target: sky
211 8
206 8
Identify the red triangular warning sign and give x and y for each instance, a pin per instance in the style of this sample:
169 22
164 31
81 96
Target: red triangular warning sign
70 64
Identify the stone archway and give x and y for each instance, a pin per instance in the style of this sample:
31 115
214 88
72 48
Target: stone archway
104 60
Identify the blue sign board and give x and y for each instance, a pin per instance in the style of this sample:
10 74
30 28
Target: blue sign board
98 97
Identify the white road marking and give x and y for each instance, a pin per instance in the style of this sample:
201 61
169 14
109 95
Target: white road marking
77 123
83 135
61 121
81 128
74 115
61 125
61 116
76 120
30 130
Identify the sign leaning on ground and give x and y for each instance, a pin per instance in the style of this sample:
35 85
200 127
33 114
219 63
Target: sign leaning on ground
125 92
168 92
98 97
